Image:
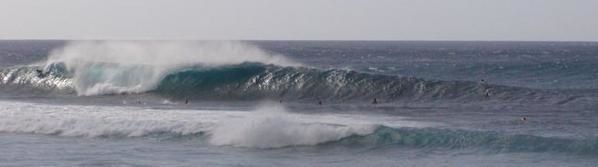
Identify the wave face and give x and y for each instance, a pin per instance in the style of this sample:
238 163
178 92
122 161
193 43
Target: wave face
254 80
257 81
248 81
233 71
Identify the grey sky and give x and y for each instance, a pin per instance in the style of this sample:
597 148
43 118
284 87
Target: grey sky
300 19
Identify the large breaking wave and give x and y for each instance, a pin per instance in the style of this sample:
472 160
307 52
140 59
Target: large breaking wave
105 67
231 70
259 81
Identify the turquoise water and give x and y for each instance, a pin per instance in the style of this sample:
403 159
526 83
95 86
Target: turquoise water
300 103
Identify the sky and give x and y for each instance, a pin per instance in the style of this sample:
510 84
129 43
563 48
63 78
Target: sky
518 20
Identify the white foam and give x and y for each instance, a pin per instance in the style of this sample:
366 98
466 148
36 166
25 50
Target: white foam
95 121
138 66
266 127
272 127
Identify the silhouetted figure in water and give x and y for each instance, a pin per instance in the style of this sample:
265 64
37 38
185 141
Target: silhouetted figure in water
41 73
485 87
186 100
524 119
375 101
319 102
487 94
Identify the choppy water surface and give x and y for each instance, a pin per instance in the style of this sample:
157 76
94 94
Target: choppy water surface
301 103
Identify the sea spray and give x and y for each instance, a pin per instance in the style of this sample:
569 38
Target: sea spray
270 126
107 67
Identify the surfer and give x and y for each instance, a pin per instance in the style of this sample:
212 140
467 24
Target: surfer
186 100
485 87
524 119
41 73
319 102
375 101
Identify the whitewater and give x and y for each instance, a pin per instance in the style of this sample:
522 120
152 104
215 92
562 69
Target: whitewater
298 103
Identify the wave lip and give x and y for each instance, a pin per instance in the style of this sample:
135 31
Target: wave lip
109 67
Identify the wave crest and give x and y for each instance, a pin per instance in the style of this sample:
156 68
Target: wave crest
271 127
107 67
254 80
250 81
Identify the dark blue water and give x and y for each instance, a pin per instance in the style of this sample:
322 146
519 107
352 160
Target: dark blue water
298 103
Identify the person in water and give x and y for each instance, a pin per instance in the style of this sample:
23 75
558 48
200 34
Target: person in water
487 94
186 100
41 73
375 101
485 87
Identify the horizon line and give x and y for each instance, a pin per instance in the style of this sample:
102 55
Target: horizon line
289 40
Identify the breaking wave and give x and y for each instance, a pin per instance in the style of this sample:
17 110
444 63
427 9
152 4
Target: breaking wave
258 81
268 126
108 67
232 71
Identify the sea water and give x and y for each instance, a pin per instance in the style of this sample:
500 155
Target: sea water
298 103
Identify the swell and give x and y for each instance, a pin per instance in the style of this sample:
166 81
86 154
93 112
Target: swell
259 81
463 139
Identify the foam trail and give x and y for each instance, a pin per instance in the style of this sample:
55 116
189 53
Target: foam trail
97 121
265 127
107 67
272 127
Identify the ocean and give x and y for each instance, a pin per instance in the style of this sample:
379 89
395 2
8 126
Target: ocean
298 103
